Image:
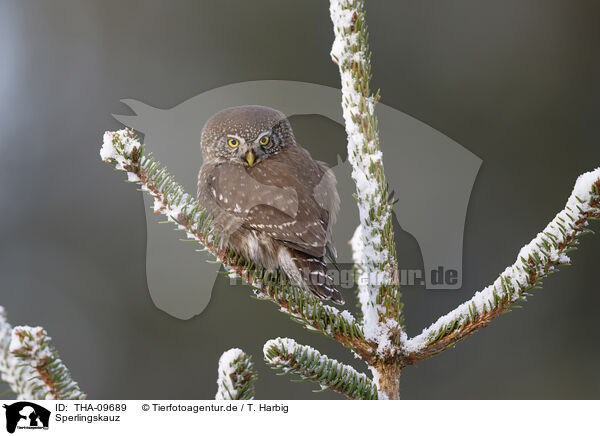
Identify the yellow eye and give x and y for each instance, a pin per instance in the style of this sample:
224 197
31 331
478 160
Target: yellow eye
264 140
232 142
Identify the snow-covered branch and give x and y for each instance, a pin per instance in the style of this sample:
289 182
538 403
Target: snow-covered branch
32 345
31 367
542 256
376 260
290 357
124 151
236 376
21 378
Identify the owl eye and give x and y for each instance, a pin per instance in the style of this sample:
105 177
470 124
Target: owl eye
264 140
232 142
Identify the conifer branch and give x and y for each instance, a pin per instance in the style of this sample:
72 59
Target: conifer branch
236 376
541 257
376 261
21 377
32 345
124 151
290 357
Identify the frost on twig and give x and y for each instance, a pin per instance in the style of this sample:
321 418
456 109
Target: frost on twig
542 256
376 260
124 151
287 355
236 376
32 345
31 367
21 378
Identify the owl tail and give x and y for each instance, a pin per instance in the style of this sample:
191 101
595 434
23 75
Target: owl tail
311 273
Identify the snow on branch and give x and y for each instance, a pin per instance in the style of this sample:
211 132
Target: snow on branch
542 256
236 376
287 355
124 151
376 261
32 345
21 377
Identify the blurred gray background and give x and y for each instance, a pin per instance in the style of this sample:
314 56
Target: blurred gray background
514 81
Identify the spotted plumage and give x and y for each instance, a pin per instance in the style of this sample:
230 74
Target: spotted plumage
269 200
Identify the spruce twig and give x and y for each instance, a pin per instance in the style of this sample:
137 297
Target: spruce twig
374 249
236 376
536 260
290 357
376 260
32 345
21 377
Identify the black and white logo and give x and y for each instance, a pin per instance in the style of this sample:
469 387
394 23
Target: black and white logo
26 415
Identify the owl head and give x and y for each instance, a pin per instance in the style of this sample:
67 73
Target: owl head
246 134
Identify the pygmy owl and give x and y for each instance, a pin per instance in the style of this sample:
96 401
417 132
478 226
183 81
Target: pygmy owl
269 200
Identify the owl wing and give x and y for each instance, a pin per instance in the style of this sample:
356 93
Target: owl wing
328 198
309 229
286 197
224 219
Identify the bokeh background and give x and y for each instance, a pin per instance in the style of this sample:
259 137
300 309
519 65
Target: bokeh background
514 81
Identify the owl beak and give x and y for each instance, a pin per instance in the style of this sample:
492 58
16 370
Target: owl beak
250 157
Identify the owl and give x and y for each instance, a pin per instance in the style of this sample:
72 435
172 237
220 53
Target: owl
269 199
